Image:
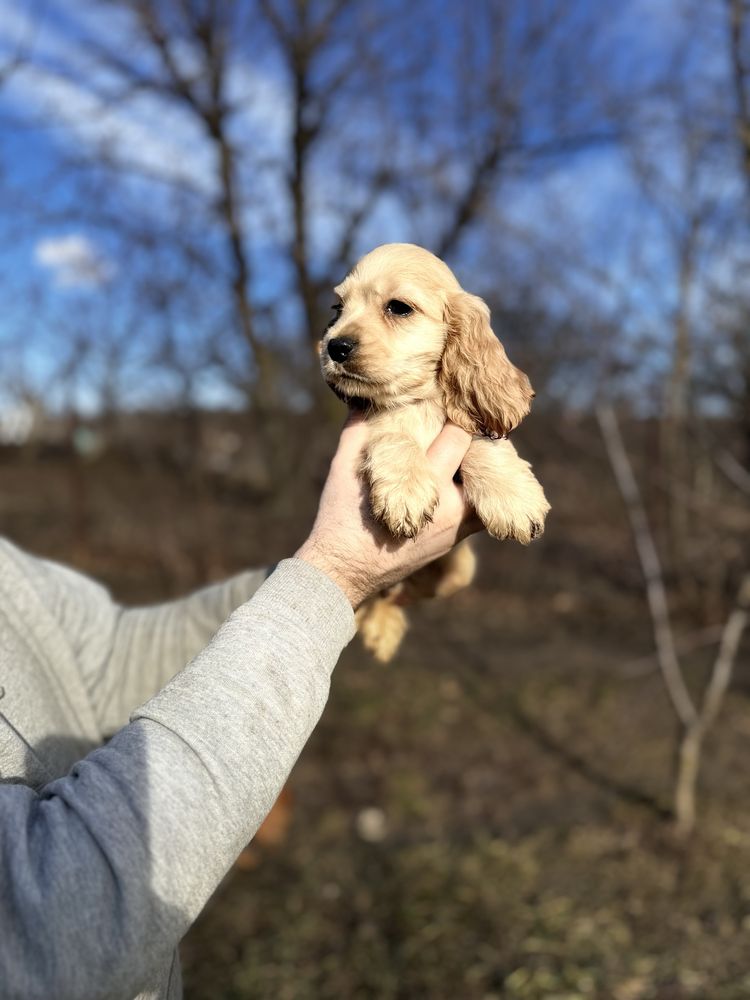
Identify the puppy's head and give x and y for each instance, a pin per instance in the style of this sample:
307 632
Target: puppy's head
386 339
404 330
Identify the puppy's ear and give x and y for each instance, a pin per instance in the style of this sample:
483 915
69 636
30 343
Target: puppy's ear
484 392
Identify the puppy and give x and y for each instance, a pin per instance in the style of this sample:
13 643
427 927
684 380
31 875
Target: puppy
411 349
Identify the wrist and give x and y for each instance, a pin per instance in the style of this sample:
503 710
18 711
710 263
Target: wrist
340 571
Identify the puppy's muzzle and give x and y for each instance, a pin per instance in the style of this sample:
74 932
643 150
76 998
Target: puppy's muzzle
341 348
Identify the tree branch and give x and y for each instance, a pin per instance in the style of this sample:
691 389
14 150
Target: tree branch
650 564
725 658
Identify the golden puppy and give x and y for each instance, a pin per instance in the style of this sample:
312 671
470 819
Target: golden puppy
411 348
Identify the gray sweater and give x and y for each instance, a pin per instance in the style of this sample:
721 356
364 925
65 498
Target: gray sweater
108 855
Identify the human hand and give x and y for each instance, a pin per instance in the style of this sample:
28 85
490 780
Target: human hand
353 549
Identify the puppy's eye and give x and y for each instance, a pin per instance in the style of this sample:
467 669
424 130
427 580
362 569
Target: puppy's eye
398 308
337 307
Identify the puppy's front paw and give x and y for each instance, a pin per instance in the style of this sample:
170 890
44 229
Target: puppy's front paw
407 508
530 525
520 515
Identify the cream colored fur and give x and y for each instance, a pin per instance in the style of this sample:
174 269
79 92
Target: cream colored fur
409 373
382 622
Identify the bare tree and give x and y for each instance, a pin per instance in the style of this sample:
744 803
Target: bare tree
738 16
695 718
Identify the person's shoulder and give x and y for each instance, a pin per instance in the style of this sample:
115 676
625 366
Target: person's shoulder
23 575
14 560
18 565
36 586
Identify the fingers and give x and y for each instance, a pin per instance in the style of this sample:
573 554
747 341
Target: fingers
465 516
470 525
354 417
353 438
448 449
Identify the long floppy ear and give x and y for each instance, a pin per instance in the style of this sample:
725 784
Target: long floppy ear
484 392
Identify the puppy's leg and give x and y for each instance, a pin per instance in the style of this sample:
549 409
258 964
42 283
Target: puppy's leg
403 492
441 578
381 624
381 621
504 491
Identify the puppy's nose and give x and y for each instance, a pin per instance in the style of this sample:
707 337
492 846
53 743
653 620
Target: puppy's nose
341 347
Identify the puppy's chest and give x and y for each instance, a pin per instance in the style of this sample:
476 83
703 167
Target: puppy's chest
421 422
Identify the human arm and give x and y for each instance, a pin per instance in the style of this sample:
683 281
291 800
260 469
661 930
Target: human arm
126 655
151 644
102 871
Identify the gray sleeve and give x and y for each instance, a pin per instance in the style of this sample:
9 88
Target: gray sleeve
150 645
126 655
103 871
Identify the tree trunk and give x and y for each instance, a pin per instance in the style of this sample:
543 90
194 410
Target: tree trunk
686 779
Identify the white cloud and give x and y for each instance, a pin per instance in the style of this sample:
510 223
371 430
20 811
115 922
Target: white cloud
73 261
16 423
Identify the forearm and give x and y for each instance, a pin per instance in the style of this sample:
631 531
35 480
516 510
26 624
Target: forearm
151 644
105 869
125 656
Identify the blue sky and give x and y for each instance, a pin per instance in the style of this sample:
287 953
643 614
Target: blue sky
582 209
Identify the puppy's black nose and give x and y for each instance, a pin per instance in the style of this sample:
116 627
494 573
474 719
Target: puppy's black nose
341 347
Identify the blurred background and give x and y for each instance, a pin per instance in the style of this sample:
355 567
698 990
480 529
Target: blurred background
545 795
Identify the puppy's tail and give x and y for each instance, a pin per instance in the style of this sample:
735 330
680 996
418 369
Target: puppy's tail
382 625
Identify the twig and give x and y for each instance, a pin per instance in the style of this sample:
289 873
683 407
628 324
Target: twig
650 564
724 663
735 473
641 666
